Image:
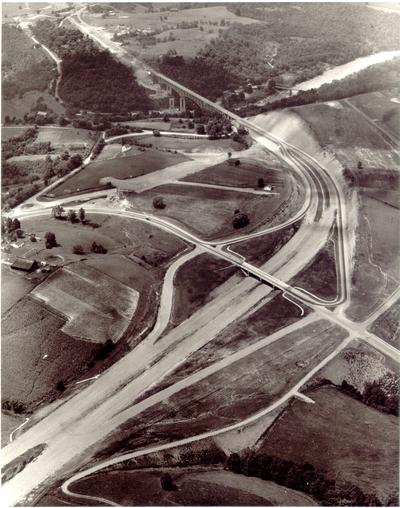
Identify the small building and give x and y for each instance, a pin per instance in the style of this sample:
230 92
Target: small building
25 265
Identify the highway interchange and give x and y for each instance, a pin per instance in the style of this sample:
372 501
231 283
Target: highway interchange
74 428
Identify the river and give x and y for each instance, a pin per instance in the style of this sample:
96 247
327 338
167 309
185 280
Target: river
342 71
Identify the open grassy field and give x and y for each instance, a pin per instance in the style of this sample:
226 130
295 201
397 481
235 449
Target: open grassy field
11 132
14 286
195 487
376 261
348 134
36 354
194 283
187 145
215 208
381 109
120 168
350 450
234 392
8 424
65 136
96 306
387 326
18 107
320 276
244 175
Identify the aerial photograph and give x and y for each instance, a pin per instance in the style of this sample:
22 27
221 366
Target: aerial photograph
200 253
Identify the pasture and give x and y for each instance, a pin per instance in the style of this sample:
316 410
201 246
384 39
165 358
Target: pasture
215 207
246 174
353 450
96 306
187 145
18 107
387 325
65 136
120 168
11 132
36 354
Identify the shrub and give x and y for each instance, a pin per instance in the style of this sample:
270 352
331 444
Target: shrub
240 220
158 202
78 249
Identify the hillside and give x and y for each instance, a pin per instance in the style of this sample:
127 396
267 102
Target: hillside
91 79
24 66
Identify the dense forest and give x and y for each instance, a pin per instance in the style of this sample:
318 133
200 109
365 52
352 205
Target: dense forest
307 38
198 74
287 42
25 67
92 79
376 77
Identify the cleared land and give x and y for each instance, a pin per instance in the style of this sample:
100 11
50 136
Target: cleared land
36 354
320 276
18 107
14 286
8 424
187 145
381 109
208 211
96 306
223 397
11 132
120 168
387 326
244 175
194 283
376 262
353 449
348 134
65 136
195 487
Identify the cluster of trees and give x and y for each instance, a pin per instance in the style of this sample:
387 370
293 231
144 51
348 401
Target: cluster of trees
11 228
13 405
302 477
218 127
199 74
92 79
375 77
385 399
25 67
240 220
18 145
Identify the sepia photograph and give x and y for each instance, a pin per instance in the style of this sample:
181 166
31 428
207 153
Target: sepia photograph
200 253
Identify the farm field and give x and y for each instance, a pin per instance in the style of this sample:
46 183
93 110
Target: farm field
353 450
345 132
96 307
387 325
188 41
11 132
33 344
223 398
381 109
195 487
376 267
18 107
185 204
14 286
187 145
120 168
65 136
244 175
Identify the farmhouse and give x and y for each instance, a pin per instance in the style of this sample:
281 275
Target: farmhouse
26 265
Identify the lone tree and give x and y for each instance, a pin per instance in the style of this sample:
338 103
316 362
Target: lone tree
359 165
50 240
78 249
158 202
81 214
74 162
240 220
261 183
15 224
58 211
72 216
166 482
60 386
200 129
97 248
33 237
